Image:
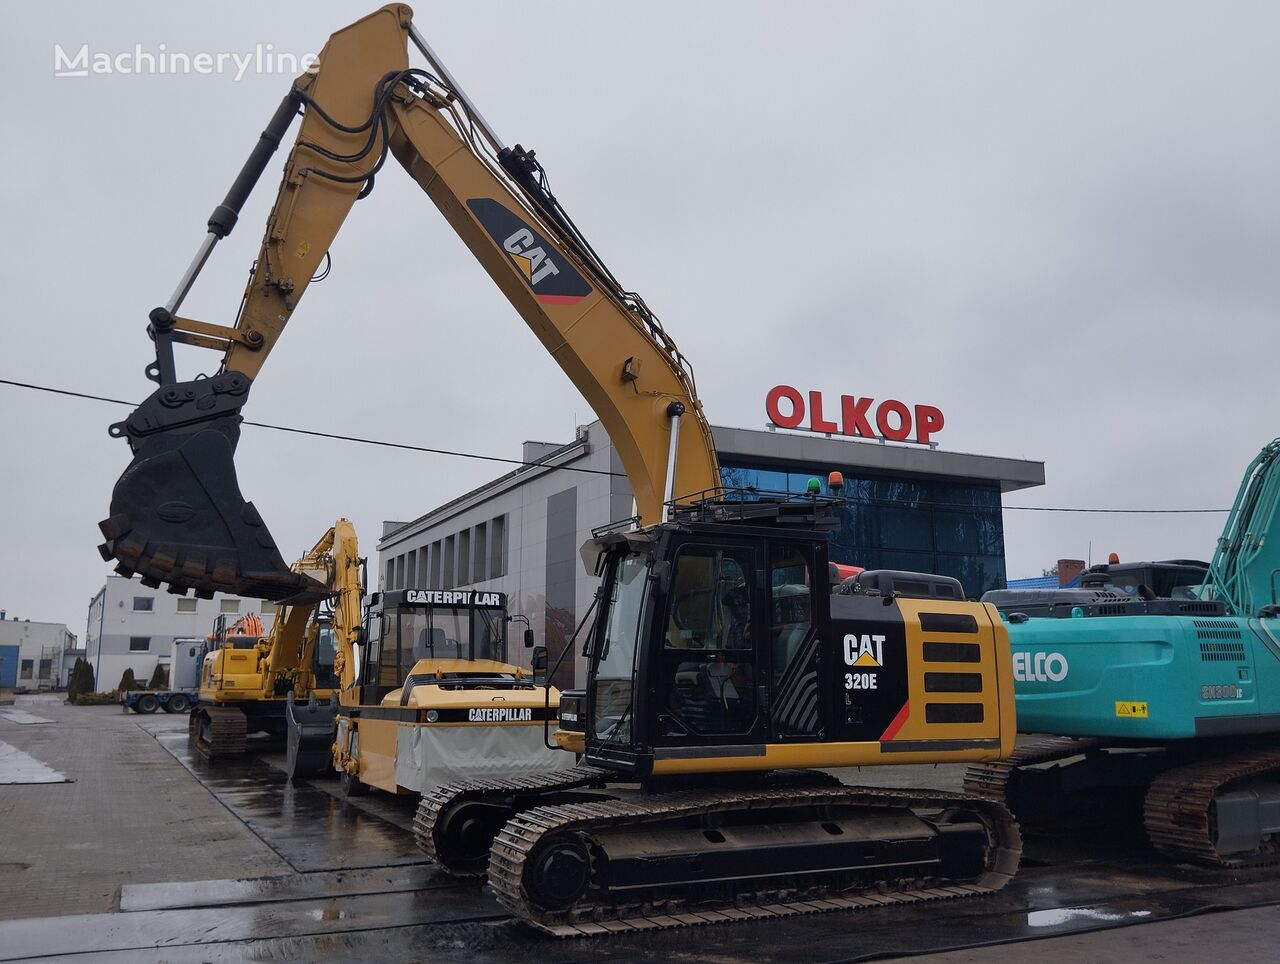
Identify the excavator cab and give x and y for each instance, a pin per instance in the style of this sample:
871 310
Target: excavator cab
407 628
720 647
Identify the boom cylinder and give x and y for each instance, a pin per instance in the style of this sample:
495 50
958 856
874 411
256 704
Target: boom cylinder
225 215
675 410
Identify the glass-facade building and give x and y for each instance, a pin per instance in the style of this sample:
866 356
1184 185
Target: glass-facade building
948 527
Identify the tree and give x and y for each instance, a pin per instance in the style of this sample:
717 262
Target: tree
127 681
159 679
1051 572
81 682
75 684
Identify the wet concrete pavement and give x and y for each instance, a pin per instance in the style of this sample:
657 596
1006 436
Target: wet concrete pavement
128 814
307 823
354 886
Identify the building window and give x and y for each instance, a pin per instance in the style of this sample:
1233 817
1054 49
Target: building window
435 566
230 607
498 547
423 568
446 565
139 644
187 605
24 672
143 604
46 669
480 553
269 609
388 582
464 557
411 567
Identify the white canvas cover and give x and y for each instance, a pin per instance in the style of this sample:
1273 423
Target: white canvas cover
431 756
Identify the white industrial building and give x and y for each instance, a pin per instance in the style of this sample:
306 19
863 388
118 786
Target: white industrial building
131 626
35 655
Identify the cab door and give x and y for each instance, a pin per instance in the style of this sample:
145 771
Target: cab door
798 605
709 673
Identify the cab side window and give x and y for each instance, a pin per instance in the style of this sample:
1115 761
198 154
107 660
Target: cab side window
708 655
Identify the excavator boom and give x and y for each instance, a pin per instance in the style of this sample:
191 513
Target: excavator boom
177 514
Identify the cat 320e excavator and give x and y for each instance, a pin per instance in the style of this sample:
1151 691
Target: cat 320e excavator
710 705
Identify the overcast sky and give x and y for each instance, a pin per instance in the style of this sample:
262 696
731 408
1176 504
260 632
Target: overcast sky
1058 222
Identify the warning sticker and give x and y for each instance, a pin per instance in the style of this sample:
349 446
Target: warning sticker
1130 708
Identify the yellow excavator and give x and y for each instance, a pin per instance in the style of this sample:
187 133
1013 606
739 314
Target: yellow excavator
724 677
248 676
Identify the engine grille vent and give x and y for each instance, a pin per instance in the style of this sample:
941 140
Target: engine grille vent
1217 629
1220 641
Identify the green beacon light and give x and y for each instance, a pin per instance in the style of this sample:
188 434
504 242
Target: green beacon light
814 487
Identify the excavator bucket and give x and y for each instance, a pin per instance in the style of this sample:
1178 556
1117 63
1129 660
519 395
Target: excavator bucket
309 746
177 515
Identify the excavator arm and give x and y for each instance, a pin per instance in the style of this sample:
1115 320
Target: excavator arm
334 561
177 515
1246 561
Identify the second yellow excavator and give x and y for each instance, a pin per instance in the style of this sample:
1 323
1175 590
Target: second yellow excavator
249 675
723 675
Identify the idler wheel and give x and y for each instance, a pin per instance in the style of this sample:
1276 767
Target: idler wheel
559 873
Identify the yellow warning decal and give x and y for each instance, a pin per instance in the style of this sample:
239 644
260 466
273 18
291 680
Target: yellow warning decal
302 250
1131 709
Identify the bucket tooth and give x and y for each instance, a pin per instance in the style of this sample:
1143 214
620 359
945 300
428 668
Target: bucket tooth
164 560
114 527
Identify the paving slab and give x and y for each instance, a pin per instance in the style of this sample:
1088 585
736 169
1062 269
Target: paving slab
22 717
265 890
19 767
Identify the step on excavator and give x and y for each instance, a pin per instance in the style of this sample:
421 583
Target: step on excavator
1166 705
707 721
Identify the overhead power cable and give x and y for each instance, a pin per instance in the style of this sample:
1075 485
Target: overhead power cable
330 435
521 463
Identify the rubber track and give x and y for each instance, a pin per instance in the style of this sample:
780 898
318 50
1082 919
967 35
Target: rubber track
435 801
1176 812
521 835
227 727
991 780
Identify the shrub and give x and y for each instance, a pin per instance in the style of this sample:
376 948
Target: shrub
96 699
128 681
159 679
